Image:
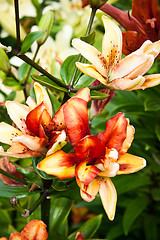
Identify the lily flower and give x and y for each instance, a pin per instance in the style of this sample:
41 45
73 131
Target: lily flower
35 229
95 158
110 69
141 25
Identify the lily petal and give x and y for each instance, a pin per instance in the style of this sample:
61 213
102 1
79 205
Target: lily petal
108 196
86 173
7 133
129 163
76 119
115 133
59 164
128 141
110 170
112 42
31 103
150 81
89 148
127 84
83 93
35 229
132 66
91 71
18 113
92 55
42 96
88 192
33 143
17 236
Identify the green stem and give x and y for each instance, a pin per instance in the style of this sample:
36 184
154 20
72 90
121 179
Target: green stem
12 177
17 25
80 56
45 211
40 69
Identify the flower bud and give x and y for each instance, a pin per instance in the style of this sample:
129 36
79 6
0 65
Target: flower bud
97 3
4 62
46 24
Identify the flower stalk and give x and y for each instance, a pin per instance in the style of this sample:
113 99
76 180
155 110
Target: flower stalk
17 25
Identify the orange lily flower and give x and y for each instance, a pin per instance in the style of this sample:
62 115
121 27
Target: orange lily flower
143 23
34 230
96 158
110 69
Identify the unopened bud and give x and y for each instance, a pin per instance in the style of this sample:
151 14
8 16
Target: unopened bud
97 3
4 62
46 24
16 204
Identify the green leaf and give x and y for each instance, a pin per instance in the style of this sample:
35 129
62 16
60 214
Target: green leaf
10 191
12 83
150 227
89 228
84 81
97 95
29 40
67 69
152 105
48 83
115 232
89 38
31 176
133 211
59 212
158 131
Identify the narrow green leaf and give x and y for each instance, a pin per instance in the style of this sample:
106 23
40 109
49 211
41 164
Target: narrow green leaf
12 83
89 228
150 227
67 69
133 211
97 95
84 81
152 105
48 83
59 212
29 40
158 131
89 38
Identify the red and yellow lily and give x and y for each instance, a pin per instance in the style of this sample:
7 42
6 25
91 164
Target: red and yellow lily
95 158
110 69
34 230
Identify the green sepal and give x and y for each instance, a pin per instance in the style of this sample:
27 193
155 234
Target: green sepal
97 95
89 38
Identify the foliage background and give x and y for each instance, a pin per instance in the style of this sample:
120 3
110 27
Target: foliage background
138 208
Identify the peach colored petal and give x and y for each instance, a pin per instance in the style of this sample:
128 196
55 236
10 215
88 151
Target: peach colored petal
59 164
33 143
129 163
17 236
31 103
132 66
127 84
88 192
112 42
92 55
91 71
42 96
110 169
83 93
86 173
128 141
150 81
35 230
7 133
18 113
108 196
153 48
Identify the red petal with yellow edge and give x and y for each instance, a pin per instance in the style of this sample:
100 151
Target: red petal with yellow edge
17 236
33 120
35 230
129 164
58 118
108 196
88 192
115 133
76 119
59 164
89 148
86 173
128 141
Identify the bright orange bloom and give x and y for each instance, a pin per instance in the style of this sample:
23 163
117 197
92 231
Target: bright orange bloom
34 230
96 158
143 23
114 72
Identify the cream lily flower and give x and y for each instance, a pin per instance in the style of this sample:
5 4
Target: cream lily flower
110 69
34 133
